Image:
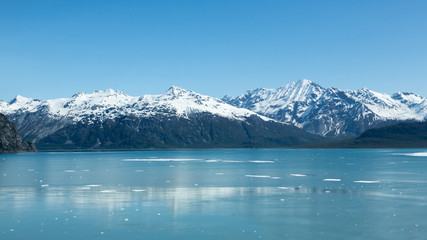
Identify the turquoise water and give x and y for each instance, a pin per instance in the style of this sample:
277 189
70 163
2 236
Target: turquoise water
215 194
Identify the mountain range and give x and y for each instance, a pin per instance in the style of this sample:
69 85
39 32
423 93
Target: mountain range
298 113
178 118
331 111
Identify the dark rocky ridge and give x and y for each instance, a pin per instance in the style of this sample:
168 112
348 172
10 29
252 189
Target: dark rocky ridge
402 135
201 130
10 140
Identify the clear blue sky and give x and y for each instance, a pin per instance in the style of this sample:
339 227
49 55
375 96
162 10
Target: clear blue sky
51 49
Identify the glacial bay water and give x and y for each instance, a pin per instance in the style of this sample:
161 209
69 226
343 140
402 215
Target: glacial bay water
215 194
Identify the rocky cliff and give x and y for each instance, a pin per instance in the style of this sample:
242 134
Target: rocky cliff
10 140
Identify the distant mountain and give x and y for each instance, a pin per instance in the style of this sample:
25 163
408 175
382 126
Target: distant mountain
10 141
330 111
402 135
178 118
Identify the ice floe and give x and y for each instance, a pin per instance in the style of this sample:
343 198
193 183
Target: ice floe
367 181
257 176
298 175
138 190
160 160
258 161
332 180
417 154
107 191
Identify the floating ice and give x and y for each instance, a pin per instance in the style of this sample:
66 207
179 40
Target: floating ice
276 177
212 161
365 181
160 160
257 176
418 154
224 161
107 191
70 171
332 180
285 188
257 161
138 190
298 175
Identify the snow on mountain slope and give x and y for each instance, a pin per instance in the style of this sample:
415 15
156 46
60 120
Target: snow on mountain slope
184 102
388 107
269 101
109 104
331 112
178 118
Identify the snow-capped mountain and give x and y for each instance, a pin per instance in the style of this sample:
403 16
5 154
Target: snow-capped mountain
109 104
102 118
330 111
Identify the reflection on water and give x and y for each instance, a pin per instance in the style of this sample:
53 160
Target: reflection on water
113 198
216 194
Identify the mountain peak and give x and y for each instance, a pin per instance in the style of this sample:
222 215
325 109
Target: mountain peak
108 92
176 91
100 94
304 81
22 99
78 94
301 84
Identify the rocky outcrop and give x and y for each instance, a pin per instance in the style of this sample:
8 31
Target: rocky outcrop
10 140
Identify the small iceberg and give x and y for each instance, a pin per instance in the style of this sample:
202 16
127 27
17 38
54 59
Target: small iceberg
298 175
160 160
257 176
332 180
367 181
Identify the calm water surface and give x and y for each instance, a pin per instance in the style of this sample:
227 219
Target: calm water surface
215 194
